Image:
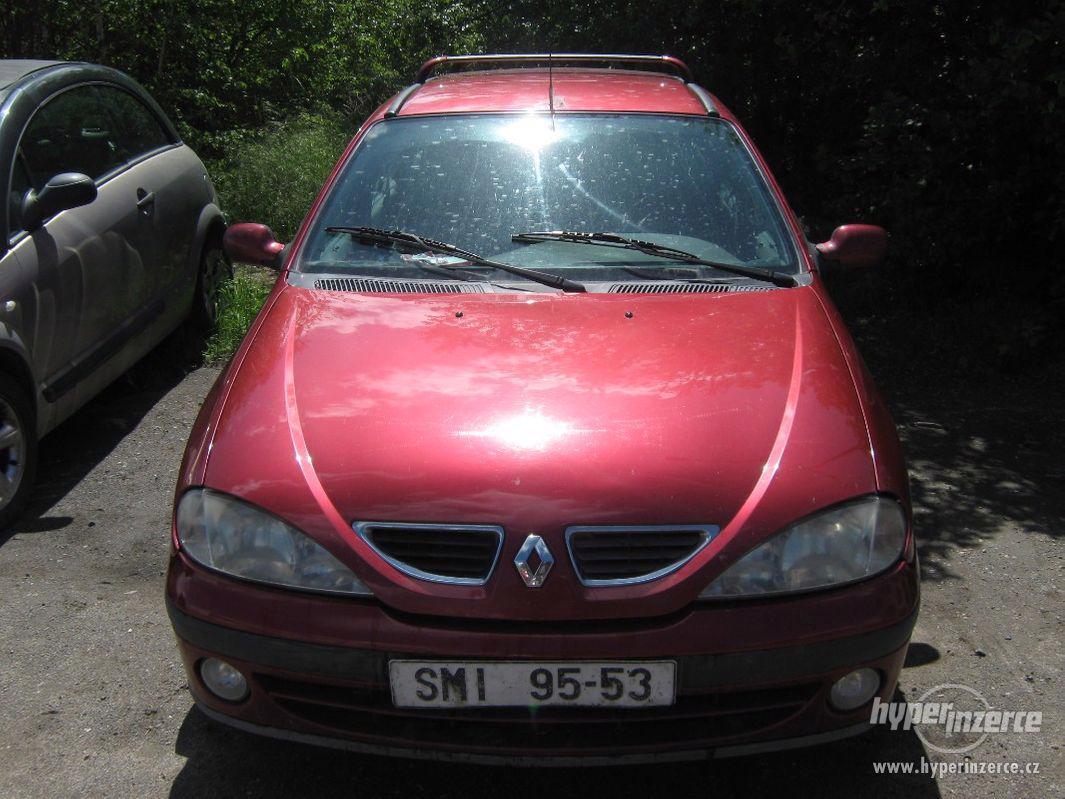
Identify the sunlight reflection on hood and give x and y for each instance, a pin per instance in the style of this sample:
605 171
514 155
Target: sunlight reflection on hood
529 430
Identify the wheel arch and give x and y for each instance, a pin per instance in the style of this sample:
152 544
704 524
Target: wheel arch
216 230
14 363
210 227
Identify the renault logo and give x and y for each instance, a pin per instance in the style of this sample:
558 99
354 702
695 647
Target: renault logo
534 551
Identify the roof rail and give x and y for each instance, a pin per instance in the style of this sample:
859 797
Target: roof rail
704 98
401 98
665 62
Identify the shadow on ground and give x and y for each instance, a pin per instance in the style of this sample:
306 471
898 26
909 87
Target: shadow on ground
78 445
975 469
983 435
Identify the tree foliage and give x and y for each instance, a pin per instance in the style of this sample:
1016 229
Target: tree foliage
941 120
219 65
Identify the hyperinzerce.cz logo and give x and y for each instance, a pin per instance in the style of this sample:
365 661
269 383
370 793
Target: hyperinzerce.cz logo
952 718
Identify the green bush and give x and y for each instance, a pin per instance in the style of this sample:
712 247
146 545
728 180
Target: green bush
242 297
272 175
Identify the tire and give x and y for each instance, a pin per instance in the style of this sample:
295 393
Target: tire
18 449
215 270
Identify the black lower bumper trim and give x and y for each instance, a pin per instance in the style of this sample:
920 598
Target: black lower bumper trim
697 673
536 761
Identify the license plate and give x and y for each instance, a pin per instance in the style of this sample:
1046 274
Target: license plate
421 683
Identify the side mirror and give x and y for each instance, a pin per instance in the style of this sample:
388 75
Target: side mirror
252 243
854 246
65 190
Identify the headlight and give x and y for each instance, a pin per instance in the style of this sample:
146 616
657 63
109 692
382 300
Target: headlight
837 546
235 538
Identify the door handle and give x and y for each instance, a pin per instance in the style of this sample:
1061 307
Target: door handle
145 199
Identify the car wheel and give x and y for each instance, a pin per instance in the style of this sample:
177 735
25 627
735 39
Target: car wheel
18 449
215 270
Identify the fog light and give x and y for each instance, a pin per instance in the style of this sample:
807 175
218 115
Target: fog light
854 690
223 680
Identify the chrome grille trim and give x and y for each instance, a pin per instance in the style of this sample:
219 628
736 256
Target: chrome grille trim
708 532
364 530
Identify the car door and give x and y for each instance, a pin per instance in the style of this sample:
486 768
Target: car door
163 174
93 267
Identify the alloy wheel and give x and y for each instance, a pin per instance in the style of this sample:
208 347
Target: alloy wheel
12 453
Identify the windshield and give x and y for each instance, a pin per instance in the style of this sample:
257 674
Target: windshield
476 180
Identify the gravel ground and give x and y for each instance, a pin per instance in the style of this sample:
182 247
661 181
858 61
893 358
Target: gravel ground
95 702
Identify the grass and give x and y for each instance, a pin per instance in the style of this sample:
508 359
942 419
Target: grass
273 175
241 299
270 176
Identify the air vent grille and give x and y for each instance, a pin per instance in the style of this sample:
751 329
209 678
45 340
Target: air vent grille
398 286
623 555
681 287
462 554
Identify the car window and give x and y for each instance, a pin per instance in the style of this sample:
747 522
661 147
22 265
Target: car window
475 180
137 130
72 132
20 184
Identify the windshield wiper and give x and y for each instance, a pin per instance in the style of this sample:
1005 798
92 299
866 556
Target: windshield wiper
650 248
421 244
444 271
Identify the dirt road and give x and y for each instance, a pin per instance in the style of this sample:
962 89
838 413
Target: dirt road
94 701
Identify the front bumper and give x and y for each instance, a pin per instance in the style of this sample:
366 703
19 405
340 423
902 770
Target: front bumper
534 761
730 699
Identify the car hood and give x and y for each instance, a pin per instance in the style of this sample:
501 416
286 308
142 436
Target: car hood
536 412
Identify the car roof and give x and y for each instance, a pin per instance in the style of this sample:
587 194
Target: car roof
13 70
559 89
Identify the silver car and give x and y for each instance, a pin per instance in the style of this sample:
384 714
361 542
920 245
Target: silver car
111 239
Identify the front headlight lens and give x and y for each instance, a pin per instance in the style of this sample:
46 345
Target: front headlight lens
840 545
236 538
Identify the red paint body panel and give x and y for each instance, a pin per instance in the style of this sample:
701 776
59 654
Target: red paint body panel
540 411
686 738
251 243
536 413
528 90
855 246
708 628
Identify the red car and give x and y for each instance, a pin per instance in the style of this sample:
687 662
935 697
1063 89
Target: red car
548 446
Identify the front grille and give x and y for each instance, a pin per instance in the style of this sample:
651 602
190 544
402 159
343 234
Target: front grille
697 720
398 286
680 287
442 553
623 555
